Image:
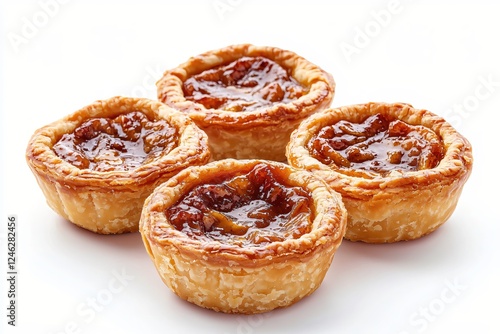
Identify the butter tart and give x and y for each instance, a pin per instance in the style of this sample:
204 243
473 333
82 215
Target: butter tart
243 236
247 98
97 166
400 170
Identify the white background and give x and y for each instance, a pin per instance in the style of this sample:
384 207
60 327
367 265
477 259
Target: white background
58 57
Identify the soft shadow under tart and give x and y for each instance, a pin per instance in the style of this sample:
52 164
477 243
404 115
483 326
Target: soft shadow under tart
247 98
396 185
97 165
243 236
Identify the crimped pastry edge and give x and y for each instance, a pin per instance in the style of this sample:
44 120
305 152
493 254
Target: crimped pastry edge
401 206
320 83
109 202
192 146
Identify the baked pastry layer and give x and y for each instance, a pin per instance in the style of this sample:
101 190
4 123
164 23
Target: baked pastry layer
237 129
110 201
240 275
394 205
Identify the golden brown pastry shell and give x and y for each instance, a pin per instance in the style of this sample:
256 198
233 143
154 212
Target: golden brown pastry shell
403 205
259 134
233 279
110 202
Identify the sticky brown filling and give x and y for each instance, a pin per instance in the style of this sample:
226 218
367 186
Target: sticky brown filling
377 145
249 209
116 144
246 84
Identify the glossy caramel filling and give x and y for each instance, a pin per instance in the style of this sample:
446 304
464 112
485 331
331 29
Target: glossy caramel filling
377 146
246 84
116 144
250 209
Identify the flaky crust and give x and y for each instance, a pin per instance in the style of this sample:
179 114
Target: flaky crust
110 202
259 134
234 279
403 205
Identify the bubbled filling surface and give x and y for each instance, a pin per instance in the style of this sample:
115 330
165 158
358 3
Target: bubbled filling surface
376 146
246 84
116 144
247 210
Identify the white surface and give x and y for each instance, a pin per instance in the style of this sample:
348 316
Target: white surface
431 56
